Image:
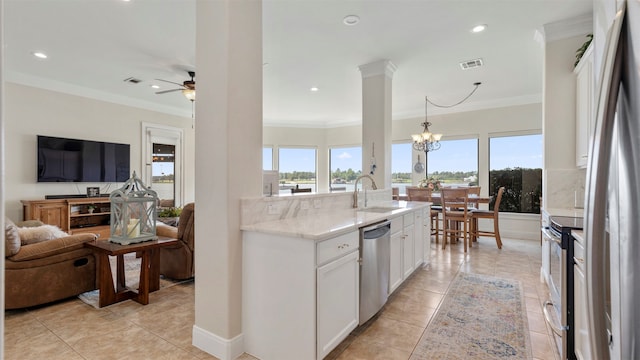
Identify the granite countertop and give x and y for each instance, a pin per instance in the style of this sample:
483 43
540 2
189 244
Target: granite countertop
334 223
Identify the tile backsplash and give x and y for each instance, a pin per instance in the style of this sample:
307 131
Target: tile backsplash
564 188
257 210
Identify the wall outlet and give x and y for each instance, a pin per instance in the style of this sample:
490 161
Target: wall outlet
272 209
304 205
317 203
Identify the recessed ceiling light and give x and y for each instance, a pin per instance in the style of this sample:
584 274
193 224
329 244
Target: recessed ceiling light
155 86
314 89
479 28
40 55
351 20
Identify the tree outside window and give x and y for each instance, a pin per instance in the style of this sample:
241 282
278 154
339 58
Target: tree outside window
401 166
297 168
346 165
515 162
455 163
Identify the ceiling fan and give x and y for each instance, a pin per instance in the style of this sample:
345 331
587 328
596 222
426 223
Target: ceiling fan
188 87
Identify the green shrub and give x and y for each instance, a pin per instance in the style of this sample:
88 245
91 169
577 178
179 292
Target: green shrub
170 212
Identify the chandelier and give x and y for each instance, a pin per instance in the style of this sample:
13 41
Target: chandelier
428 141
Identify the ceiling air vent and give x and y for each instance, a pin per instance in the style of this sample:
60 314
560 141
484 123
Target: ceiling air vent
470 64
132 80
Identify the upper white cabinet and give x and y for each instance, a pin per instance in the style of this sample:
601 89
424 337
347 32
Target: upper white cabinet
585 105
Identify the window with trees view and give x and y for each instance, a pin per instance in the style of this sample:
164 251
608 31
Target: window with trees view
346 165
297 168
515 162
401 166
455 163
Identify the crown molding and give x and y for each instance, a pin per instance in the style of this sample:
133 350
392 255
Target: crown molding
381 67
70 89
563 29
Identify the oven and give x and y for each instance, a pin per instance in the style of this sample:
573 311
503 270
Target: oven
558 310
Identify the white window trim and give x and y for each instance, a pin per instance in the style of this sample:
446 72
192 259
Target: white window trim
169 135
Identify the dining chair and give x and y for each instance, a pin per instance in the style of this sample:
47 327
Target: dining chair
455 215
473 191
488 214
424 194
395 193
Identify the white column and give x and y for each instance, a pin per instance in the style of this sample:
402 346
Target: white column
376 119
228 162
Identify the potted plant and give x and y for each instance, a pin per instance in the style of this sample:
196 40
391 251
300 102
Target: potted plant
91 208
170 215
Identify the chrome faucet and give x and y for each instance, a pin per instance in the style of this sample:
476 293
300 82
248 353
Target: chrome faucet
355 189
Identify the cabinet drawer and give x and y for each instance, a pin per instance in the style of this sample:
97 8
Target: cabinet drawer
396 224
333 248
408 219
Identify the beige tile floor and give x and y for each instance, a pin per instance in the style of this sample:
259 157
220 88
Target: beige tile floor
72 330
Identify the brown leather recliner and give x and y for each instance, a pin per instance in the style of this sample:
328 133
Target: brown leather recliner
46 271
176 262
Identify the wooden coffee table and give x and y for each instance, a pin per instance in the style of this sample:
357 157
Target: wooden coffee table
149 269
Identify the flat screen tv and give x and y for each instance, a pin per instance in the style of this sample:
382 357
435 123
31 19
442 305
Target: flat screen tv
72 160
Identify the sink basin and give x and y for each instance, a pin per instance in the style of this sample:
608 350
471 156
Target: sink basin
378 209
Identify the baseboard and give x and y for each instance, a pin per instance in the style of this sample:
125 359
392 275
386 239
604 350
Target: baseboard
224 349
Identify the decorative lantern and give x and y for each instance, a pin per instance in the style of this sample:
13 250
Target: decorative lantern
133 213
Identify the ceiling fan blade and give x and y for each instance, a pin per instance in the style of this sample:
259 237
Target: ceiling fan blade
171 82
168 91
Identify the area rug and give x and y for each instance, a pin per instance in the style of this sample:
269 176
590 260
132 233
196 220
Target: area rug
482 318
132 277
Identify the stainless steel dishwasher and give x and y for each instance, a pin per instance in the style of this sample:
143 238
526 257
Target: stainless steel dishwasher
374 268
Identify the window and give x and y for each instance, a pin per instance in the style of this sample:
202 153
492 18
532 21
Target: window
455 163
163 169
515 162
267 158
297 167
401 166
346 165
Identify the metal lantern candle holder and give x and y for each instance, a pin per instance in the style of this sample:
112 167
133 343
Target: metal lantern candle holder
133 213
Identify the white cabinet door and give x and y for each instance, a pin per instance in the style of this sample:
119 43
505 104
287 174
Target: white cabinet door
407 248
584 106
418 241
337 301
395 261
426 234
581 332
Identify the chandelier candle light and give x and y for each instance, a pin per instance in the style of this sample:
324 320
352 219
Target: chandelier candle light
428 141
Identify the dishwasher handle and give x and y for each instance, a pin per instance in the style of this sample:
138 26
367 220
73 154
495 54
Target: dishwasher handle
376 230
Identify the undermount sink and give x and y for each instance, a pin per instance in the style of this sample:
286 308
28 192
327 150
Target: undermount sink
378 209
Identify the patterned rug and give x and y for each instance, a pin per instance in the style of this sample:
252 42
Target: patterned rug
131 275
480 318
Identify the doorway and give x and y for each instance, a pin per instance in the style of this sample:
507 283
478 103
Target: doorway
162 162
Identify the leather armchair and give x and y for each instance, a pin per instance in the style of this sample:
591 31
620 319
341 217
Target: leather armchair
47 271
176 262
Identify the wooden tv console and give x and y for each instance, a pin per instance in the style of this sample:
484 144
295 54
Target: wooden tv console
72 215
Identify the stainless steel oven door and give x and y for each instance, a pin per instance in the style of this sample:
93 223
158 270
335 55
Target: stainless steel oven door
558 291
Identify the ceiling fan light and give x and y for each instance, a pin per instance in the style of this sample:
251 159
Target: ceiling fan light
190 94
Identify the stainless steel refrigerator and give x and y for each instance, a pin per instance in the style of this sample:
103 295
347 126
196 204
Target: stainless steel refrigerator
612 212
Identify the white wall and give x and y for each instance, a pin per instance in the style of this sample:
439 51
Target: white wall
31 111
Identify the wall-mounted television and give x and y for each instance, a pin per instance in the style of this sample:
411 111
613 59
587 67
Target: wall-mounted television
73 160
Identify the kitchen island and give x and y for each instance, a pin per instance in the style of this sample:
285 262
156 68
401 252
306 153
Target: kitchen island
301 275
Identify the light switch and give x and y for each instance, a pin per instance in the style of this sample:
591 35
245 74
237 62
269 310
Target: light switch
272 209
304 205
